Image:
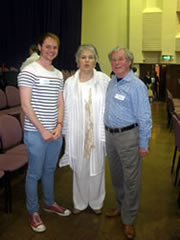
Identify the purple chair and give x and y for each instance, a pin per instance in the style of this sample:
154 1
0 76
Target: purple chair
177 114
14 154
13 101
178 200
8 106
3 100
13 97
176 126
173 104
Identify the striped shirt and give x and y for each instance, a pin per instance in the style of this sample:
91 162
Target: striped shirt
127 103
46 86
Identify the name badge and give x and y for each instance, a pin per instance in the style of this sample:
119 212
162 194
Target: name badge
44 82
119 97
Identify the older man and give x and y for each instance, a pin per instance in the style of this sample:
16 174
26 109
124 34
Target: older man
128 128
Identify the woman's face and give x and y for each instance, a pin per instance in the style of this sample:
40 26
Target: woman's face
49 49
86 61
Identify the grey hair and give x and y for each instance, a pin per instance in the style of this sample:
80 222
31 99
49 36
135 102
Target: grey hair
83 47
128 54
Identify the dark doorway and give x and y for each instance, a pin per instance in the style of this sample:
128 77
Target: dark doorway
161 73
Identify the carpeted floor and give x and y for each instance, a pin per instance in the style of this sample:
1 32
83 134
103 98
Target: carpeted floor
158 218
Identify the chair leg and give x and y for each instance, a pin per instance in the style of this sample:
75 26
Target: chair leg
169 120
169 124
177 172
8 193
173 161
179 200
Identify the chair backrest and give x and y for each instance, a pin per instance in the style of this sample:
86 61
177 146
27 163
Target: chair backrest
2 81
177 115
169 94
170 103
10 132
3 100
13 96
176 126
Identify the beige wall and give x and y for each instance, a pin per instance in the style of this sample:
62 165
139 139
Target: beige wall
104 24
156 24
150 28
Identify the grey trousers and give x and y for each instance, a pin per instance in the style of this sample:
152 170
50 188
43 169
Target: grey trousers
125 168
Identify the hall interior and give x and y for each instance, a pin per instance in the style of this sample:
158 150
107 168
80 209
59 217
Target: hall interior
159 214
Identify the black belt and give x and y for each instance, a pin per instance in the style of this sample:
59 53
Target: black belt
118 130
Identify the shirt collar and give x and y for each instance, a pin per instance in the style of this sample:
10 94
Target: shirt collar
127 78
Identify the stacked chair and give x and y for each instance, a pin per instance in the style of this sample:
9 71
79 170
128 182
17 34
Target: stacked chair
13 97
13 156
173 112
10 101
173 105
176 127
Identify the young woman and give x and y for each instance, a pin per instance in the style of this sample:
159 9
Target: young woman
41 92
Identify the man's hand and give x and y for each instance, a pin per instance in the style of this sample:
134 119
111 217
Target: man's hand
143 152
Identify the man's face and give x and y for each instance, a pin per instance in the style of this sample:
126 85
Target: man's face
120 64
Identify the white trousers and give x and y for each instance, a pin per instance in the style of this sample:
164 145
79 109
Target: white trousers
88 190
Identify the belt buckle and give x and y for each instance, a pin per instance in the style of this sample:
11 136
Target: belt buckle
116 130
111 130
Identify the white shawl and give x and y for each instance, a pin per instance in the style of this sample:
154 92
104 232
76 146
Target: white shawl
74 124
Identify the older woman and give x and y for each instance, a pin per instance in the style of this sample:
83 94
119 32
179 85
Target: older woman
84 96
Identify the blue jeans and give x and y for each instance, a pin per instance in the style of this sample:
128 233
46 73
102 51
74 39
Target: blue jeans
42 162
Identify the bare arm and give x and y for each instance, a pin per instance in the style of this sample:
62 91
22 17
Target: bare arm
25 96
57 131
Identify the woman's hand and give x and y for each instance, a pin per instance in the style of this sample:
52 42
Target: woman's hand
56 133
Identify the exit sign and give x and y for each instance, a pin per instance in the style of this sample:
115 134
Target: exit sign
167 57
